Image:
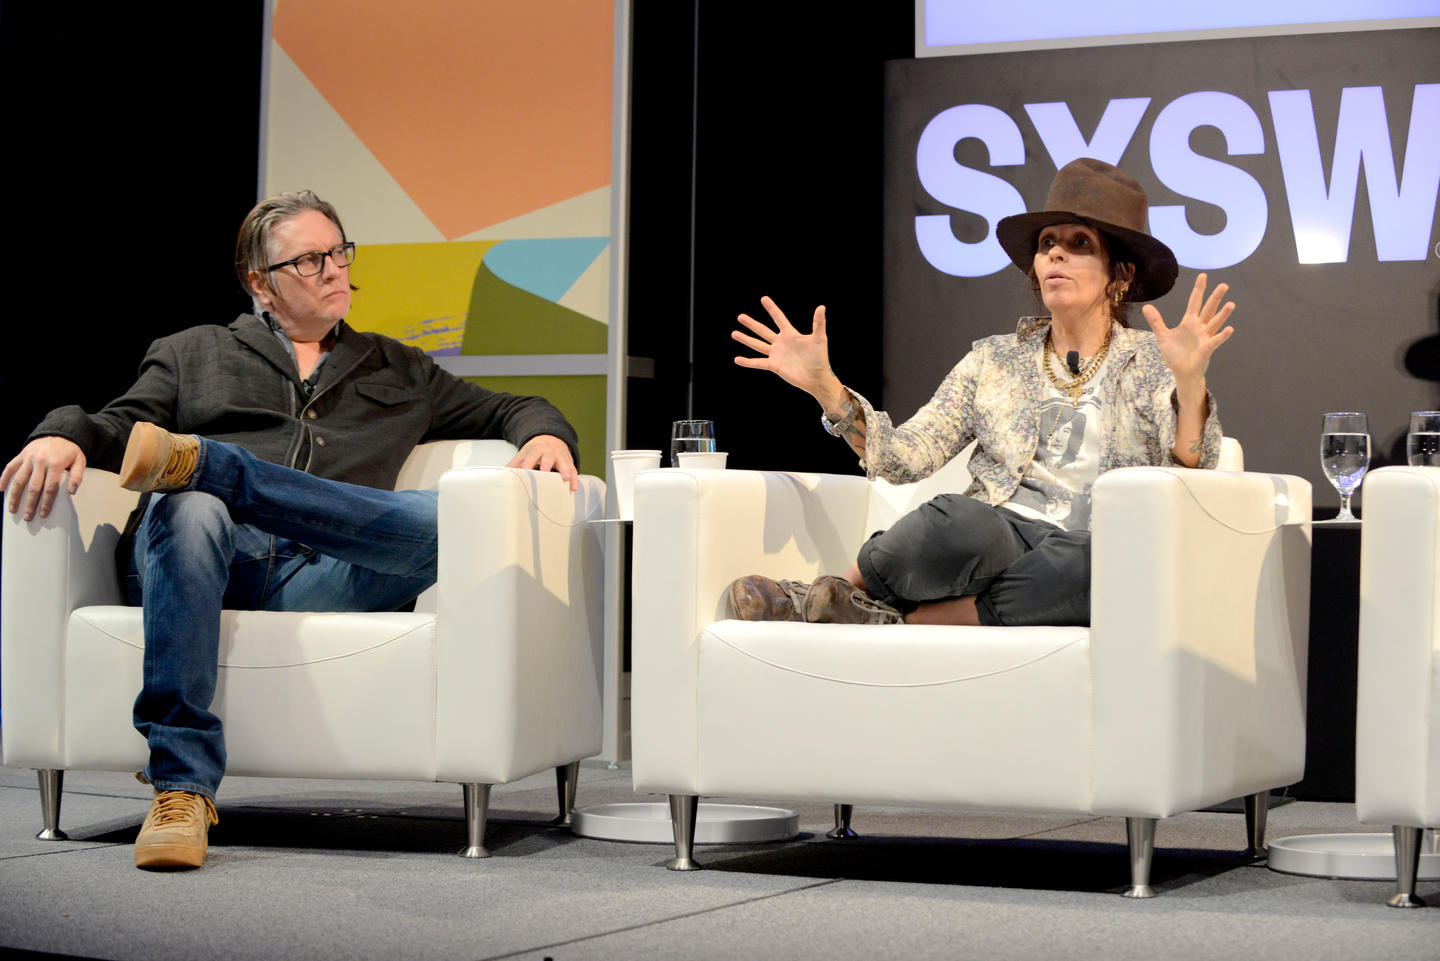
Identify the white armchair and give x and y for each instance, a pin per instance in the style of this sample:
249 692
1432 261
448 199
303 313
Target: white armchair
1188 689
1397 729
493 677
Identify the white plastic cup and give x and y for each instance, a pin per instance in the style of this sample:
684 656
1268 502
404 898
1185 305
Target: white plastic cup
624 465
702 460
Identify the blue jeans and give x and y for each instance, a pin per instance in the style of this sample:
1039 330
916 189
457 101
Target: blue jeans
252 536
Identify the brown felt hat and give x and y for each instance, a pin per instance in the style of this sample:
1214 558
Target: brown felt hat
1092 192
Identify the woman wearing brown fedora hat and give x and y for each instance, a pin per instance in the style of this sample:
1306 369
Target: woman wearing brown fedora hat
1050 407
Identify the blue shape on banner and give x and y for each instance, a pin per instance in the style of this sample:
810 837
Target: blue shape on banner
546 268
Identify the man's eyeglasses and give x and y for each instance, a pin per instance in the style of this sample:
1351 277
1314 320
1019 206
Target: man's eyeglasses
308 265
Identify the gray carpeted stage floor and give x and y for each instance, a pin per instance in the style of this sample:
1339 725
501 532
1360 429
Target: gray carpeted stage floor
359 870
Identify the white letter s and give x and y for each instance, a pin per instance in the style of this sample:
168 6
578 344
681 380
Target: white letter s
964 189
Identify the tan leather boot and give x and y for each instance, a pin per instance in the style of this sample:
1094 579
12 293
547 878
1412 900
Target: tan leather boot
176 832
157 460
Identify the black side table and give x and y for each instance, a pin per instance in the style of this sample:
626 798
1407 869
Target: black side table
1334 663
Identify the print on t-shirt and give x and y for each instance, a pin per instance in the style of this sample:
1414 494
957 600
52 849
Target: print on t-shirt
1056 485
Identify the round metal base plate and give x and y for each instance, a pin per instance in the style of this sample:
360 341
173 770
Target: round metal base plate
1356 857
714 823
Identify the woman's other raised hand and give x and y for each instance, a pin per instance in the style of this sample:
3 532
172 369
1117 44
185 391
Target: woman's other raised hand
802 360
1186 348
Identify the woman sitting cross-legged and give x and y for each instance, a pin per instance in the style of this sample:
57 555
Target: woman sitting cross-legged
1051 407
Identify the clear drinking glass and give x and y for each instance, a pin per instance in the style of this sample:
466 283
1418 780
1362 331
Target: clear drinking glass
1345 456
1422 447
691 435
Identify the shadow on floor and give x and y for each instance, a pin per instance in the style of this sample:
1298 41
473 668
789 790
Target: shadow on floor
359 831
1085 866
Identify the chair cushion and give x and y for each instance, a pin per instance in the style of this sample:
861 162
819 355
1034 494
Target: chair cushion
966 717
300 695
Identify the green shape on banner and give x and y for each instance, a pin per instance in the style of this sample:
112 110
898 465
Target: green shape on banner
581 399
503 319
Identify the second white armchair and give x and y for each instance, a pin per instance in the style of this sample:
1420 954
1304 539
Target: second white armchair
1188 688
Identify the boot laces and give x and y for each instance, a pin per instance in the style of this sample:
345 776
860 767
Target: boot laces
796 591
879 611
172 807
182 462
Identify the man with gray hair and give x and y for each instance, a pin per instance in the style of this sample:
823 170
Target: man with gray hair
276 489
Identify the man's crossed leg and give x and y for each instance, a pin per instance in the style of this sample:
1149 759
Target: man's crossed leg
229 531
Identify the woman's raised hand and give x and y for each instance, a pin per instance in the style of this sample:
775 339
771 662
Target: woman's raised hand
1186 347
799 359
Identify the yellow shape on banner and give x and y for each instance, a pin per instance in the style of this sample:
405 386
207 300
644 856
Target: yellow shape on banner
416 293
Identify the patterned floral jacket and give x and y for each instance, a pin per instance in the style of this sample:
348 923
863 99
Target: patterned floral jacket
993 395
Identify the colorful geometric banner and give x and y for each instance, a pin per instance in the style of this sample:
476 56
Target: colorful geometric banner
466 145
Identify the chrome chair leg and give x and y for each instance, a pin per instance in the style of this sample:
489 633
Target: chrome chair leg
1257 810
566 776
842 823
51 785
477 809
1141 835
683 808
1407 866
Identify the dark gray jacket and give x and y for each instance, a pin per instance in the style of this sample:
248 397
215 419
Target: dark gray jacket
376 399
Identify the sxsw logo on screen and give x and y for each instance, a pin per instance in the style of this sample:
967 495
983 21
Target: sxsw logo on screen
1402 202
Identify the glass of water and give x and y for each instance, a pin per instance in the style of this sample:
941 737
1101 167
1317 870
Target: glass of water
1422 447
1345 456
691 435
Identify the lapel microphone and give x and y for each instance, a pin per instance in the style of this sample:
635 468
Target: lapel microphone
1072 360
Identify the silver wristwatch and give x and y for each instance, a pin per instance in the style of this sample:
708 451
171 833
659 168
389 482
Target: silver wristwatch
841 427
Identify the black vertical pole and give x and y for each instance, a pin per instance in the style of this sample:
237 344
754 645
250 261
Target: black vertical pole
694 154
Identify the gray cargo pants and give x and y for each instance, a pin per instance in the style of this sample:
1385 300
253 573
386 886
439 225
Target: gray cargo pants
1021 571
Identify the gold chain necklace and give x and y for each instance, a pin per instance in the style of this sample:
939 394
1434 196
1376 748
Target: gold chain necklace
1074 388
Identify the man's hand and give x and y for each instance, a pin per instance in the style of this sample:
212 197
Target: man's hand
547 452
35 474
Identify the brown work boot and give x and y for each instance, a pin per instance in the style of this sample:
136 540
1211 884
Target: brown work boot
157 460
834 600
756 598
176 832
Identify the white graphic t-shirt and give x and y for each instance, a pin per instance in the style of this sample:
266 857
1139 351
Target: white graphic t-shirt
1056 485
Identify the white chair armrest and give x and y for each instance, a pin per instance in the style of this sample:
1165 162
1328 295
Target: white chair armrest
428 462
695 532
1232 457
51 567
518 624
1397 730
1200 616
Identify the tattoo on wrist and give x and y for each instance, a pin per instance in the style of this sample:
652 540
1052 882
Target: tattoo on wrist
1195 447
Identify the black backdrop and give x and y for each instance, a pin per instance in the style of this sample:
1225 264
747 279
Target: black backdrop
132 148
134 143
788 204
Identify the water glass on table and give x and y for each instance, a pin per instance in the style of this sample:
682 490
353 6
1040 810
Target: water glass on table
691 436
1345 456
1422 446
